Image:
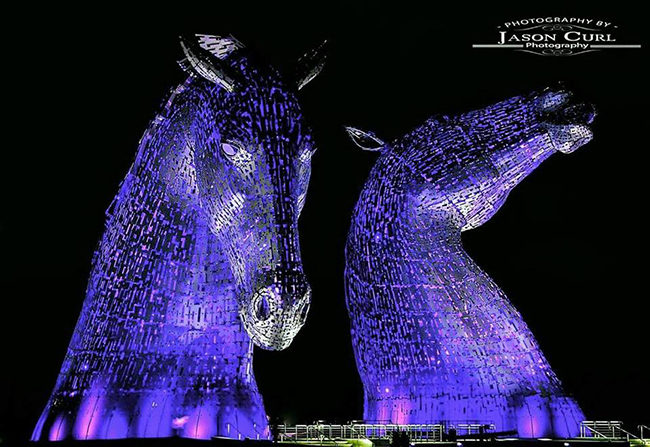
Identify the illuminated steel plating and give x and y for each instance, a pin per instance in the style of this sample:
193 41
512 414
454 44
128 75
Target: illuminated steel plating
199 260
435 339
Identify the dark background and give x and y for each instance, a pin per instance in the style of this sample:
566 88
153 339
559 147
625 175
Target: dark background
568 248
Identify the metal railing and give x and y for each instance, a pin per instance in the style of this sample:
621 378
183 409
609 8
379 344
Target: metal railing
601 429
416 432
464 429
607 430
337 433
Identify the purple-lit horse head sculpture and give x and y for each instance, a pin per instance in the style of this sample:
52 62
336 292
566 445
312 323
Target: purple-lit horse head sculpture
200 260
435 338
252 156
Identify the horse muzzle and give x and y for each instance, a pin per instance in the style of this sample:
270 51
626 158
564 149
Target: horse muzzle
275 312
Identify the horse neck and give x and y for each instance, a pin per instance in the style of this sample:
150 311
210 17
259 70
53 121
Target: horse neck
157 208
416 272
383 241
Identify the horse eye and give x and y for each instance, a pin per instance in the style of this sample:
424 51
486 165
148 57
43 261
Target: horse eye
229 149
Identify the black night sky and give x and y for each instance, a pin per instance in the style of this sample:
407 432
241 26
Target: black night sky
568 247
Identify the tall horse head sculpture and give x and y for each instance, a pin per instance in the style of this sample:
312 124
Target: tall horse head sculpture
434 337
200 259
252 154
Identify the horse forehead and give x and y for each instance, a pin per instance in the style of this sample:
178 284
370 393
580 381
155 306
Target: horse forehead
282 154
277 119
274 101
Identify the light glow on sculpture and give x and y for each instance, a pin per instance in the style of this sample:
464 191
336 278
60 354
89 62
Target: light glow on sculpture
199 260
435 339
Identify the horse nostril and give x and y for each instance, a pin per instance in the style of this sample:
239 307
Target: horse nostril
263 309
304 305
303 312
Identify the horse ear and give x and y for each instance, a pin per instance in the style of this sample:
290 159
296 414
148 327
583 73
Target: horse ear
365 140
220 47
310 65
205 56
